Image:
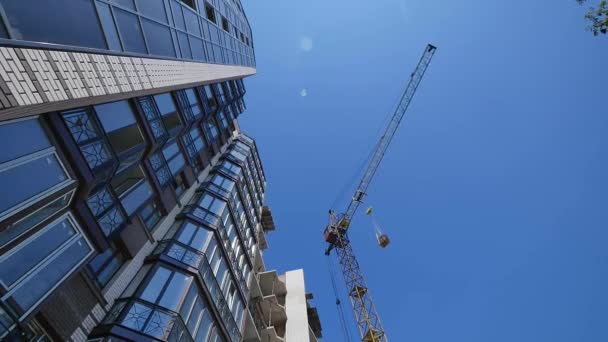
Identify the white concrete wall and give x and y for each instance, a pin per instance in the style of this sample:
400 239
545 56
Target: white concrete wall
33 81
296 329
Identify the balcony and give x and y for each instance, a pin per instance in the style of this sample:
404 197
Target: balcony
272 306
134 318
196 259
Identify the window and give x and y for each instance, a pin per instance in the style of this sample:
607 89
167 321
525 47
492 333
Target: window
211 129
223 121
118 121
35 218
108 26
225 24
37 23
193 102
159 38
27 158
42 262
174 157
189 3
150 215
166 287
196 315
197 139
194 236
132 189
105 265
154 9
210 13
192 23
130 31
210 97
168 111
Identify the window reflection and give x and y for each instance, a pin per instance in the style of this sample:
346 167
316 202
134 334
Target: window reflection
122 131
168 111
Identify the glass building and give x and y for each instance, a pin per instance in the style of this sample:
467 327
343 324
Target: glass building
132 205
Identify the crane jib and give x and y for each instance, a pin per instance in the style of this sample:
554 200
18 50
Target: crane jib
336 232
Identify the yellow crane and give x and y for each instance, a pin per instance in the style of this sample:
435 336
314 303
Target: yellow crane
336 232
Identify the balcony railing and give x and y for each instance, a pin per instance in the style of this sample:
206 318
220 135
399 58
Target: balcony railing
196 259
153 321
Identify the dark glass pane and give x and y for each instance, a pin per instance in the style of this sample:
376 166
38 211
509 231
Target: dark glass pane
156 284
21 138
32 220
69 22
154 9
39 285
109 27
136 197
132 37
159 39
3 34
192 23
35 251
184 45
115 115
33 178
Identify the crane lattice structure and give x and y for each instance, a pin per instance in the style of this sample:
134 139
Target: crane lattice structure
336 233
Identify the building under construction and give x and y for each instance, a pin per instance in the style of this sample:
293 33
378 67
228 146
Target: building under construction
133 204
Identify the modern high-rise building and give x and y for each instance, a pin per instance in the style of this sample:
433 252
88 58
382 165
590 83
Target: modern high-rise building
131 204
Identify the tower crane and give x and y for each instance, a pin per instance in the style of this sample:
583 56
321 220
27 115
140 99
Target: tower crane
336 232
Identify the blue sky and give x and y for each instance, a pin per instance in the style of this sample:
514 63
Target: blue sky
494 190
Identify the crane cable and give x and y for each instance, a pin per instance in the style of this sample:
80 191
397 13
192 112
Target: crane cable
363 163
345 330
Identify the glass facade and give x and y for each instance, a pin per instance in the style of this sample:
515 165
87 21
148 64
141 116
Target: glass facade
204 261
212 31
93 182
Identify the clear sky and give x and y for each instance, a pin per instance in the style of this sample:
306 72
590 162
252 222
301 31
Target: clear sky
495 188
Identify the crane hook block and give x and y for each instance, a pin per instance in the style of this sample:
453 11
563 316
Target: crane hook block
368 211
383 240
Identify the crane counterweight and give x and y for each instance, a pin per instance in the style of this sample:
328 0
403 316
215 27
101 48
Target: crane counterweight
336 232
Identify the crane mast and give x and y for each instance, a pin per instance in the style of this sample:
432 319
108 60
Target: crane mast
366 316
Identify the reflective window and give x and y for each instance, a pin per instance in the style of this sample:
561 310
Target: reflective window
178 15
132 189
166 288
192 25
174 157
154 9
130 31
159 38
106 264
51 28
168 111
184 45
223 121
194 236
212 130
32 220
193 101
150 215
21 138
119 123
46 259
125 3
34 177
108 25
